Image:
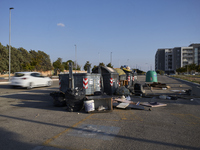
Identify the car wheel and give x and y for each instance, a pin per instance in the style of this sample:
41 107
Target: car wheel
13 86
49 83
30 86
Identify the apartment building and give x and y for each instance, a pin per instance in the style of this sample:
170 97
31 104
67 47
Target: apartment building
164 60
171 59
196 48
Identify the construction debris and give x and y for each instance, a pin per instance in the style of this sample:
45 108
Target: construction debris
157 85
126 104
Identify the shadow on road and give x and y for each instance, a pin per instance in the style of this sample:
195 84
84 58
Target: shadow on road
9 135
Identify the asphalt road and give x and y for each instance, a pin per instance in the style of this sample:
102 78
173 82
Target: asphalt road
29 121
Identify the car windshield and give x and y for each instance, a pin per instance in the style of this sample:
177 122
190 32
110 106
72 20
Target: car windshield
19 74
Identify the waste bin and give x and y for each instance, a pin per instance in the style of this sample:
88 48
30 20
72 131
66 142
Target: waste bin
88 82
129 76
122 76
109 80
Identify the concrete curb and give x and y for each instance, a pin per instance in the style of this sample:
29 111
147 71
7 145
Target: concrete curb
185 81
195 86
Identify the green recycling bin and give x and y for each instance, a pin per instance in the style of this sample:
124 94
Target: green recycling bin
151 76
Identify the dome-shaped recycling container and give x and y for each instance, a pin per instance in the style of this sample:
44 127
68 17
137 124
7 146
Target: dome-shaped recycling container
151 76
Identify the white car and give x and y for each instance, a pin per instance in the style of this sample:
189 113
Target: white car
30 80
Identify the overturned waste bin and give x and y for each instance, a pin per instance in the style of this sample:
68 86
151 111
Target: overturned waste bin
109 80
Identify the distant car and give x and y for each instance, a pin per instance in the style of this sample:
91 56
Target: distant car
30 80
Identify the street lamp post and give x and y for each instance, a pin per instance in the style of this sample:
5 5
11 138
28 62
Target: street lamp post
9 41
76 56
111 58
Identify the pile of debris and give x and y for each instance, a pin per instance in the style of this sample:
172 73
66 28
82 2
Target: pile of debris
72 98
156 85
75 100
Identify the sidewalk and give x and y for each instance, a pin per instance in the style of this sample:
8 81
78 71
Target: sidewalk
6 81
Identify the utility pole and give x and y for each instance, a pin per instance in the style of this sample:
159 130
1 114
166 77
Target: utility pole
10 42
75 56
111 58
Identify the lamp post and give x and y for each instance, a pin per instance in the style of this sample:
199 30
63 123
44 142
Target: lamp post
9 41
111 58
75 56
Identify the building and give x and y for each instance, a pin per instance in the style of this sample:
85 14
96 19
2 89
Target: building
196 48
164 60
170 59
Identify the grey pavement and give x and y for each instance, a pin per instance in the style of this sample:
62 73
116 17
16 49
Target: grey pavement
29 121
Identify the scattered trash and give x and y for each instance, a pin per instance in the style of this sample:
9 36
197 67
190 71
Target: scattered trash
101 107
119 100
122 105
178 91
122 91
153 104
74 99
128 98
138 103
59 99
163 97
89 105
125 104
191 100
134 106
157 85
168 97
123 97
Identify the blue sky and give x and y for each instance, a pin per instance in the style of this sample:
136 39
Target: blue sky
125 32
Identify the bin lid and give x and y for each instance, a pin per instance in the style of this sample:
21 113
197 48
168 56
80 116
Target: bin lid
104 70
127 70
120 71
151 76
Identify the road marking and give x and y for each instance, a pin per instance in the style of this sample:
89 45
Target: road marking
129 116
123 116
75 125
95 131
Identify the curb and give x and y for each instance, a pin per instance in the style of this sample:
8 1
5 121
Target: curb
185 81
